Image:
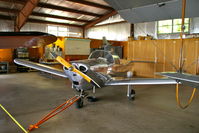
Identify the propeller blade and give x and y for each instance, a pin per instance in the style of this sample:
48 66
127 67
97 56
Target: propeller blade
72 68
25 39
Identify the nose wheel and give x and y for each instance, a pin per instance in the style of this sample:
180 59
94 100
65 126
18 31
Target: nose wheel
130 93
80 103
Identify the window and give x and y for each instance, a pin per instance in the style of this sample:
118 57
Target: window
62 31
52 30
172 26
58 31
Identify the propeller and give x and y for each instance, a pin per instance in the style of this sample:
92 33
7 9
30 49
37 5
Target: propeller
72 68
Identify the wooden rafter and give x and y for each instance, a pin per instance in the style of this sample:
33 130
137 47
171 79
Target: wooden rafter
24 13
112 13
88 3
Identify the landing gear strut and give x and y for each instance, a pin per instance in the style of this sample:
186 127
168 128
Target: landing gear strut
130 93
92 98
80 102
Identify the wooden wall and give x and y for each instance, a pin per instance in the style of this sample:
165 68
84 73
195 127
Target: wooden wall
166 55
36 53
95 43
6 55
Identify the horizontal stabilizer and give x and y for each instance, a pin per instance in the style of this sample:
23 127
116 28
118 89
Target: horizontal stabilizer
181 76
192 80
41 67
142 81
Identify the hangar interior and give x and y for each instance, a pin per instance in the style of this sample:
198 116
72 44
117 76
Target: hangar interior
141 39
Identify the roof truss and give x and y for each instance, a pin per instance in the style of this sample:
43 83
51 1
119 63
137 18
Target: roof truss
28 6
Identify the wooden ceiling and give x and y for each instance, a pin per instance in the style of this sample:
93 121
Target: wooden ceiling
76 13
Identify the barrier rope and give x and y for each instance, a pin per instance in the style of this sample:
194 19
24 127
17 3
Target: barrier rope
178 100
18 124
54 112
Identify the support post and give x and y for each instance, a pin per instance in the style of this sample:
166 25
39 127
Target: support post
181 61
132 31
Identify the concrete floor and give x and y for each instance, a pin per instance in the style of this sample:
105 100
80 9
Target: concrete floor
28 96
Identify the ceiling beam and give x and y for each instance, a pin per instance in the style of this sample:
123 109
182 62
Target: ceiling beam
3 17
22 2
24 14
120 22
88 3
55 7
91 24
2 9
59 17
53 23
60 8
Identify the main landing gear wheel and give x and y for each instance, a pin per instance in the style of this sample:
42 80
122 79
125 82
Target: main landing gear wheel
79 103
131 95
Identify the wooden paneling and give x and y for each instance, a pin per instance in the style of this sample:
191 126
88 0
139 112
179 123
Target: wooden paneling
6 55
197 62
95 43
166 54
36 53
142 51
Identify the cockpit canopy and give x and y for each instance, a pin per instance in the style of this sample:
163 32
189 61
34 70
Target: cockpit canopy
106 56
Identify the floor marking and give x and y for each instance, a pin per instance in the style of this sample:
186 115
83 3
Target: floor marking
13 119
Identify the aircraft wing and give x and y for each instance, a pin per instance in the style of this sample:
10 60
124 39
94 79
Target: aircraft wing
142 81
139 11
41 67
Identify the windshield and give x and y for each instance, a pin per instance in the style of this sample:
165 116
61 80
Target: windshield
101 54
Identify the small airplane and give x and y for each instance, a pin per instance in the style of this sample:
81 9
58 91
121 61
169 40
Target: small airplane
85 75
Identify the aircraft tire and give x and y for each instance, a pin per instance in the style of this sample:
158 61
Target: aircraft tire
132 95
79 103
